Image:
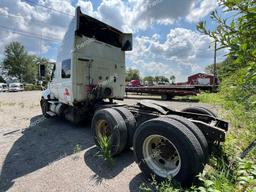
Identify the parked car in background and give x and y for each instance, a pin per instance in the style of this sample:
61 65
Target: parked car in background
163 83
3 87
16 87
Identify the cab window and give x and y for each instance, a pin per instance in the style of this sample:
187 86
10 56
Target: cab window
66 69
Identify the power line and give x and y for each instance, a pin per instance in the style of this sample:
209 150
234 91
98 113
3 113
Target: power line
52 9
11 15
29 34
18 17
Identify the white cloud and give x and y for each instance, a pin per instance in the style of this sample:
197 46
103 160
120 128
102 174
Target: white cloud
201 9
87 8
116 13
182 53
162 11
21 17
180 44
127 16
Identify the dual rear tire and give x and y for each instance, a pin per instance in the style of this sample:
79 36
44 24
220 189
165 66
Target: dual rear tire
166 147
118 124
109 123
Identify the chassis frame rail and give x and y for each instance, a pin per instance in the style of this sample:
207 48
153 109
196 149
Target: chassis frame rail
214 129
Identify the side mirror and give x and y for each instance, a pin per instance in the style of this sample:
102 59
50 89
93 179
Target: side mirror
41 71
127 42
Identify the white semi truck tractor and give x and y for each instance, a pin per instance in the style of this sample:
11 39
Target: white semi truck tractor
89 75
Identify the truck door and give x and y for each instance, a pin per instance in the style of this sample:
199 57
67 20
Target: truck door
53 84
83 77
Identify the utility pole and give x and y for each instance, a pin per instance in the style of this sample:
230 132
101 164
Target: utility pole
215 66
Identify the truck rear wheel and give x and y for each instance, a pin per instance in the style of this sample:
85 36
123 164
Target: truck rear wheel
200 110
196 131
167 149
209 111
108 122
130 124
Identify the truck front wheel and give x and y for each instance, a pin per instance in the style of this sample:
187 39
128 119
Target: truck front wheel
44 107
165 148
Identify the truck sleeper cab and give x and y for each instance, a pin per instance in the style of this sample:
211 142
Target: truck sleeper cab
91 62
90 67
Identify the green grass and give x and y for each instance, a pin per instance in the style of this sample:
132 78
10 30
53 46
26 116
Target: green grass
31 87
226 176
77 148
105 149
225 171
242 121
212 98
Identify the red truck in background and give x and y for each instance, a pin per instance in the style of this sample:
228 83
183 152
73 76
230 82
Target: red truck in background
134 83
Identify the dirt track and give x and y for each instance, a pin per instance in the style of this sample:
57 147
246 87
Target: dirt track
38 154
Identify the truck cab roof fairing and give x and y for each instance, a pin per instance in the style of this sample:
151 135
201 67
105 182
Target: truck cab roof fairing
94 28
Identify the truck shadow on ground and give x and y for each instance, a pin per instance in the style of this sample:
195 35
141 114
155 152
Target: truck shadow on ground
137 181
104 170
43 142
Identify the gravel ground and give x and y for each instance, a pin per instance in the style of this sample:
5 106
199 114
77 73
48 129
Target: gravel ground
38 154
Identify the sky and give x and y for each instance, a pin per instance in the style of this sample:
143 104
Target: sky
165 39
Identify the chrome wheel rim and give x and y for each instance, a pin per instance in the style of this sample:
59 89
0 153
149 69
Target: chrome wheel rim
161 156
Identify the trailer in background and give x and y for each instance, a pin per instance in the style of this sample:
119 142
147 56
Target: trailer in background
166 92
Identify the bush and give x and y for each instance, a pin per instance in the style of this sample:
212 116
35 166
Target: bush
31 87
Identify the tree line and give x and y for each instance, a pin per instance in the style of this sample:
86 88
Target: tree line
19 64
134 74
238 34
